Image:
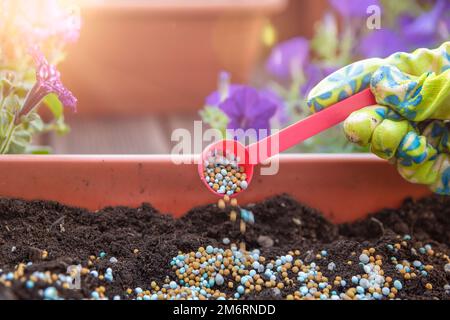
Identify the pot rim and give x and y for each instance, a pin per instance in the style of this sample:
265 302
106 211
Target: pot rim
294 157
344 187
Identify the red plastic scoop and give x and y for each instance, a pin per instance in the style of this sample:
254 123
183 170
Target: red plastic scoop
248 157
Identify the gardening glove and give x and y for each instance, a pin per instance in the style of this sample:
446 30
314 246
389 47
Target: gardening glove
410 124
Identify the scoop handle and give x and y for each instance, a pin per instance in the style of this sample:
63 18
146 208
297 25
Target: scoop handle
310 126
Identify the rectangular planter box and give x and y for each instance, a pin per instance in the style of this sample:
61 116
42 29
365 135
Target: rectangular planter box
161 56
343 187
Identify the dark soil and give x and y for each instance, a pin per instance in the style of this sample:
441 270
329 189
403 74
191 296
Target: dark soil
71 235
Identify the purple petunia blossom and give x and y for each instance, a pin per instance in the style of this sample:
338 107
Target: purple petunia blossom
353 8
225 90
313 75
248 109
422 31
288 57
381 43
414 32
48 80
281 114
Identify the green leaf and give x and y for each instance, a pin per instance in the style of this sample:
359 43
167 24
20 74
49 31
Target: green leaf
393 9
20 141
60 127
55 106
326 40
42 150
12 104
215 118
34 123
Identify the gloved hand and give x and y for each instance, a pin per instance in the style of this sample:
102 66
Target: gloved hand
410 125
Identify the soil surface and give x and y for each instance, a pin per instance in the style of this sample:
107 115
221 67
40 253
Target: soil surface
138 244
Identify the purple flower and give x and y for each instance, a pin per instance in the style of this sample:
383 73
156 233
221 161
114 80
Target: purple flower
48 80
224 91
313 75
281 114
248 109
422 31
413 32
217 97
288 57
381 43
353 8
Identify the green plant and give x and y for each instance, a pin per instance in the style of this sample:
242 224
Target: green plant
29 33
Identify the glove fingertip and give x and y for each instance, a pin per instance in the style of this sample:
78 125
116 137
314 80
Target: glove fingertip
360 125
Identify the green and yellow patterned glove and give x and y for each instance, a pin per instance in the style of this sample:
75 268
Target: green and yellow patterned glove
410 125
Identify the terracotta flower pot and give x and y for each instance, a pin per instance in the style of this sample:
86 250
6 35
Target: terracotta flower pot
161 56
344 187
299 18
